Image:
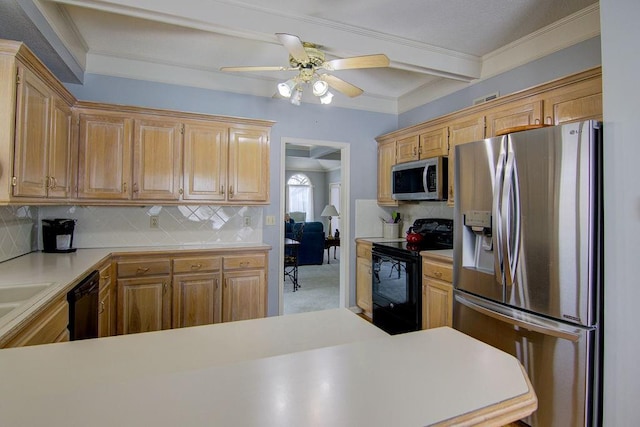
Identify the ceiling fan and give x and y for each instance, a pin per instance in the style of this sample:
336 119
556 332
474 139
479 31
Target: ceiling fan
309 61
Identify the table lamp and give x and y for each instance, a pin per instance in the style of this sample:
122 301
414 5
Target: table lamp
329 211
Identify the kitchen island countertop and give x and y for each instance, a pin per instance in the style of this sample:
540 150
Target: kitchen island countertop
323 368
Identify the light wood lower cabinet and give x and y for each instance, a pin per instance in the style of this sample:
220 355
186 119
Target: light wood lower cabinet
160 292
48 326
363 278
197 292
437 291
245 287
106 303
144 295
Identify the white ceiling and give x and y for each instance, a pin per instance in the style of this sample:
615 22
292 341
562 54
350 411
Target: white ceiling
435 46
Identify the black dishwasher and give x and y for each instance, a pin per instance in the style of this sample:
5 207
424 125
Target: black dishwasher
83 308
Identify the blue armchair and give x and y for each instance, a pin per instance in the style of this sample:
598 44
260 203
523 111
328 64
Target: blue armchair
311 238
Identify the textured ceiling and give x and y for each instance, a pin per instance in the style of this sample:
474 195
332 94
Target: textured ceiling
435 46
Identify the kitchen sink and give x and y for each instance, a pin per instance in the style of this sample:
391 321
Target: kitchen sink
16 293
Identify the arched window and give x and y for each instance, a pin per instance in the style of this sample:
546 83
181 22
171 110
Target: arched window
300 195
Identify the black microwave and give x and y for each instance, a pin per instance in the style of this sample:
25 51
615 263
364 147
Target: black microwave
420 180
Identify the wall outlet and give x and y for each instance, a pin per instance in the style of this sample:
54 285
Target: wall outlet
247 221
154 221
270 220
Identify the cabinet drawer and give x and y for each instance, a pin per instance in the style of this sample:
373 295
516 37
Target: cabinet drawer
143 268
244 261
363 251
196 264
437 270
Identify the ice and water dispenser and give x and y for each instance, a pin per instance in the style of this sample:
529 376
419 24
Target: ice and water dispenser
57 235
477 241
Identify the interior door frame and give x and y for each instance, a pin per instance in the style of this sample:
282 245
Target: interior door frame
345 245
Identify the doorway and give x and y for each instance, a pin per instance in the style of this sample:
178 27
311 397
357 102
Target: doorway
312 156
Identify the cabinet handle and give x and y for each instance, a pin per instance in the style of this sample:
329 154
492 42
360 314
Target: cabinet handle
54 183
47 182
142 270
415 152
231 191
244 263
135 187
222 189
101 307
216 283
536 122
548 120
164 287
105 277
196 266
181 191
438 274
124 187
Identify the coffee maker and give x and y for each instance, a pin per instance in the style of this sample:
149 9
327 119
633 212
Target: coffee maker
57 235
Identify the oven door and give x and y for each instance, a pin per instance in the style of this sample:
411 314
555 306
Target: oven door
397 300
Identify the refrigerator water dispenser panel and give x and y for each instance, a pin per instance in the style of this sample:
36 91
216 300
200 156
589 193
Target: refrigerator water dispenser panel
477 241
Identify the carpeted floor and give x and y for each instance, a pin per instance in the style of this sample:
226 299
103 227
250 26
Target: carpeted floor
319 288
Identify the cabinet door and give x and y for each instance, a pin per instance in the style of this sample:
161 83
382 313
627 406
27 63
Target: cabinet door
248 165
580 101
434 142
386 159
514 114
437 303
407 149
106 306
205 161
197 299
60 152
144 304
157 159
104 157
460 132
32 135
244 295
363 285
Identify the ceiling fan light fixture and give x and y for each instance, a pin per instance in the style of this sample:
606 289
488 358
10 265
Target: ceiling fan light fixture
286 88
326 98
320 87
296 97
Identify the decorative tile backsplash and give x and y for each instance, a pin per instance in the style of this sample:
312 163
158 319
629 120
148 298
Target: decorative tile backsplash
18 234
99 226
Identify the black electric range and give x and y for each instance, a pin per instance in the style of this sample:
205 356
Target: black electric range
397 275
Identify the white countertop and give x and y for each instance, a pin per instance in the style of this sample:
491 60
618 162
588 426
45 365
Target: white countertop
323 368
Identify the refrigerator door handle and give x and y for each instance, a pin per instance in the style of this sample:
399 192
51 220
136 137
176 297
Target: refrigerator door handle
496 219
530 324
510 216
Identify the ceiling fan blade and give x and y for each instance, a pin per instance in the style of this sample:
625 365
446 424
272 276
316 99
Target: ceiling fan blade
367 61
342 86
294 46
256 68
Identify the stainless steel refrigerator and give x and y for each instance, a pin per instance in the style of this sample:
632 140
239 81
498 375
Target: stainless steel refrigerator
527 261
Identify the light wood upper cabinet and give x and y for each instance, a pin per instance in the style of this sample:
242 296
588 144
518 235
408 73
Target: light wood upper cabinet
205 161
513 114
248 172
104 157
434 142
43 149
62 152
461 131
407 149
386 159
32 135
571 103
157 159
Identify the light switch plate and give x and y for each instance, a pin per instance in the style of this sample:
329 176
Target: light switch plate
270 220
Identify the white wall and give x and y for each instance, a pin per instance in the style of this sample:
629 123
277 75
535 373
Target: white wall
621 93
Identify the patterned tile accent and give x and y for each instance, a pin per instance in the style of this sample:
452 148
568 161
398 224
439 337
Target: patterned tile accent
17 231
178 225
